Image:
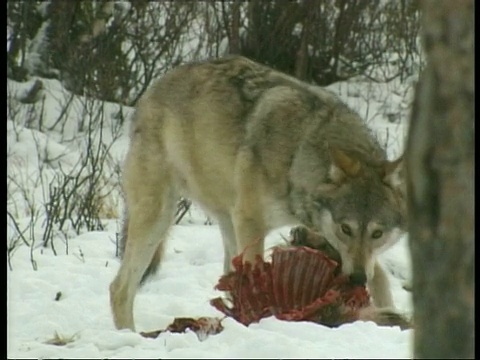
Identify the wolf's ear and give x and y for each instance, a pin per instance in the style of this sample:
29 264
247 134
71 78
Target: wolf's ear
394 173
342 165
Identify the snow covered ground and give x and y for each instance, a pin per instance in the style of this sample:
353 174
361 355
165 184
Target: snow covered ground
65 296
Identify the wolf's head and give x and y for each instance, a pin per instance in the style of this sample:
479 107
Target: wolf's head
360 210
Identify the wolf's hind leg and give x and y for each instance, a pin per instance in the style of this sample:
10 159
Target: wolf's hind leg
151 202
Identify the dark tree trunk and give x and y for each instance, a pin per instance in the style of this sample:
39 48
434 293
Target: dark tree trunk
440 168
301 62
234 41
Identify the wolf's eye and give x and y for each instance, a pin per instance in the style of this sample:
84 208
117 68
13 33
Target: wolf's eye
346 229
377 234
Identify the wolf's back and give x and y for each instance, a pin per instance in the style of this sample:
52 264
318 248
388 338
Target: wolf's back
242 101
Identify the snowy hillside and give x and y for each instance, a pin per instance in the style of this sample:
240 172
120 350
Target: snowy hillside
60 291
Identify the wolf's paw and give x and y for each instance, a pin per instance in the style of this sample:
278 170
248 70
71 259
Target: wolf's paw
299 235
303 236
385 317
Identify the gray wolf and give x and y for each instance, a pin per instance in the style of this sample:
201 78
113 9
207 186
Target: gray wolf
257 149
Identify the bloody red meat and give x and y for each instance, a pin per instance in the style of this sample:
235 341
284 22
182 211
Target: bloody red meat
299 283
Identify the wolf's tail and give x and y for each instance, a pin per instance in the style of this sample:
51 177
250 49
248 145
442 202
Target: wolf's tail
153 266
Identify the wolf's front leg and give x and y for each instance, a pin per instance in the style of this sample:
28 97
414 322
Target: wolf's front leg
379 287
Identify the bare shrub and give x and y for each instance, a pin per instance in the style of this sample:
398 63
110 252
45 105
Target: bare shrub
113 50
78 198
103 49
75 197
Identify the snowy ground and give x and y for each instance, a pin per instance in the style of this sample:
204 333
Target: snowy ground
66 295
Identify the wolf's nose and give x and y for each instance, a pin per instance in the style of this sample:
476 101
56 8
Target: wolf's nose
358 278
